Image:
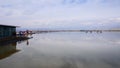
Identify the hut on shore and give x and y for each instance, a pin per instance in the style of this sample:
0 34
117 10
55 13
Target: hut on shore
7 31
8 34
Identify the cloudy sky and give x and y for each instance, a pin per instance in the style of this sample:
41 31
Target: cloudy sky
59 13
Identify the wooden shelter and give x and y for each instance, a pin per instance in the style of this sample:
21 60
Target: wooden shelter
7 31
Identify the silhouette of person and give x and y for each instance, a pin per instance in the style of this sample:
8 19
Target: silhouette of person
27 42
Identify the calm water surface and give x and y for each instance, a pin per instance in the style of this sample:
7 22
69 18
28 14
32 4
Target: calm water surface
63 50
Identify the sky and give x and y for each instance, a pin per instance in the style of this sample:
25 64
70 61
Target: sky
66 14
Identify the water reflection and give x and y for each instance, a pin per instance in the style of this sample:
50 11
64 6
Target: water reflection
22 41
7 50
67 50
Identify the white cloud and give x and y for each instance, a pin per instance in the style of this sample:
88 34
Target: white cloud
57 12
115 19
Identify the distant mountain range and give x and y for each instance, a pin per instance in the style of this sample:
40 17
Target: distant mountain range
78 26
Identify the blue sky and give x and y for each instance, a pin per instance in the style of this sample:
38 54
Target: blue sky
59 13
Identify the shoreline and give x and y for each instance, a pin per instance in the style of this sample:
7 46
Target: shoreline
9 40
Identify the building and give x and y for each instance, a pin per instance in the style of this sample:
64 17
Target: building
7 31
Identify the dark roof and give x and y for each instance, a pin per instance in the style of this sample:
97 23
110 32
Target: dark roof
8 25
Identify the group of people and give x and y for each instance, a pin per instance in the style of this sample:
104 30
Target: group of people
24 33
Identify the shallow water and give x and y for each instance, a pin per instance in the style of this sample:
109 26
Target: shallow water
63 50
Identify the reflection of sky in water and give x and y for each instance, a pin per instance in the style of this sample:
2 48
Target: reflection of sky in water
67 50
